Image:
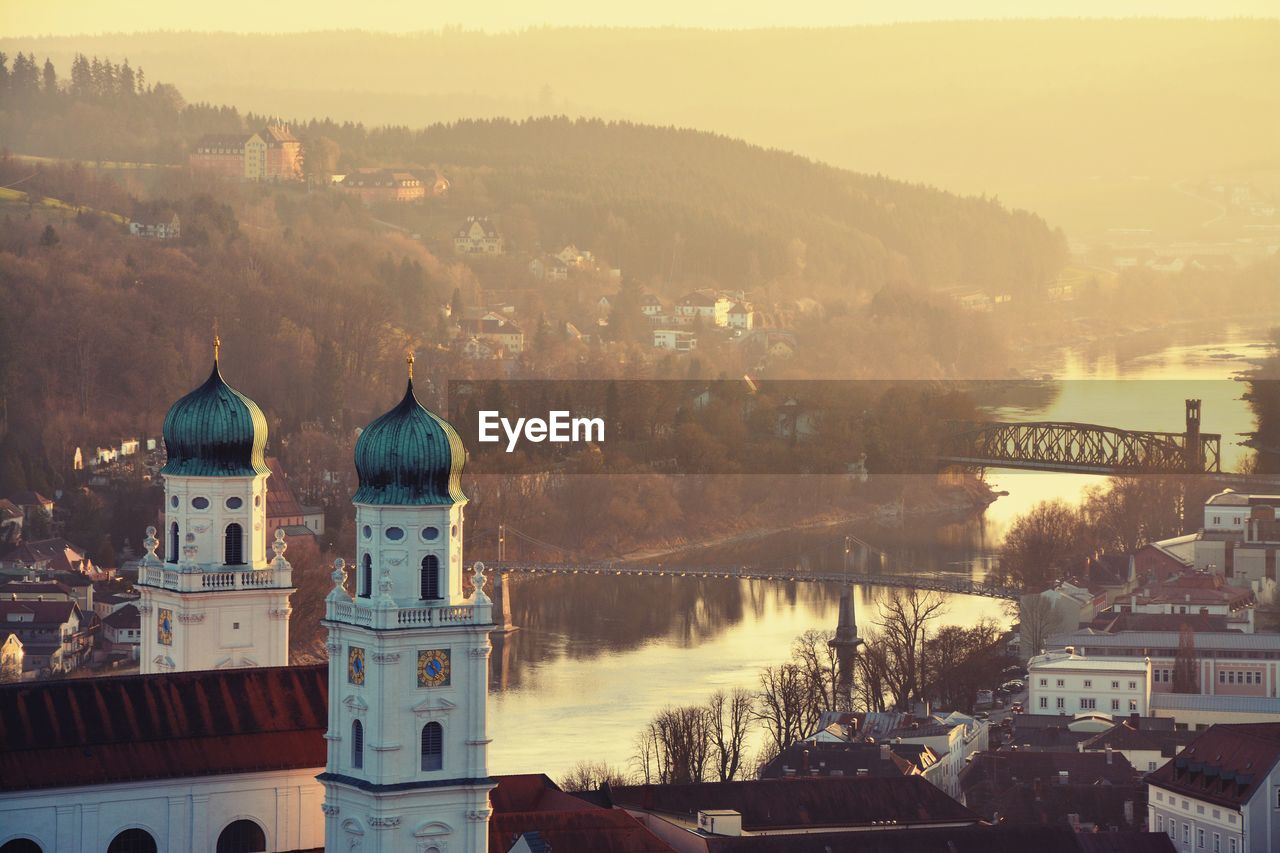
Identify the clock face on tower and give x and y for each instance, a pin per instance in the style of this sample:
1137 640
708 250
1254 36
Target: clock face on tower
355 665
433 668
164 627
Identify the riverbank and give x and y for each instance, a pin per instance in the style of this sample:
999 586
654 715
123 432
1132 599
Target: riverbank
952 501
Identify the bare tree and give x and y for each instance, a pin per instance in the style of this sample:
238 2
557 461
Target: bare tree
870 685
904 620
590 775
813 653
783 698
1037 620
675 746
729 721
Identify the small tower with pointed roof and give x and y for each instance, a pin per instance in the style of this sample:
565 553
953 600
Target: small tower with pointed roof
214 593
408 652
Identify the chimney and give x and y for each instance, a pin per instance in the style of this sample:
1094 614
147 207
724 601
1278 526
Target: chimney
804 761
1135 721
1063 777
1108 753
884 752
1128 812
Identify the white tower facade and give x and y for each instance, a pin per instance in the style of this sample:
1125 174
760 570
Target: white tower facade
217 599
407 766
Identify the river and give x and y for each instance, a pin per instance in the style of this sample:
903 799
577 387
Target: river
595 657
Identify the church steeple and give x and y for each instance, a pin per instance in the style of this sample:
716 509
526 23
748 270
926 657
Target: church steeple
408 652
218 599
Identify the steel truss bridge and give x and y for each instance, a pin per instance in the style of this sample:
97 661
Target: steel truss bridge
1074 448
936 583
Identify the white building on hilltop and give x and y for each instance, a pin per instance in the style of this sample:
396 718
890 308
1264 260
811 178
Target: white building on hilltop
1063 682
217 600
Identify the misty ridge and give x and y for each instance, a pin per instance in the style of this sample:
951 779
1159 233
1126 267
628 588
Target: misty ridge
1044 114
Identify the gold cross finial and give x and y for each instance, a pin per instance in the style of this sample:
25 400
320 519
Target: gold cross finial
408 359
217 342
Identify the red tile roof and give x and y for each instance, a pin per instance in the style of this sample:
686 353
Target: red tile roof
588 830
783 803
102 730
1224 765
281 502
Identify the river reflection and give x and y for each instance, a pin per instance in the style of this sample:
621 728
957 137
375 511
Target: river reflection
596 656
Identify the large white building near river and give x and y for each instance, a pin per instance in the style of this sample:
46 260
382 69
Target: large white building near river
1063 682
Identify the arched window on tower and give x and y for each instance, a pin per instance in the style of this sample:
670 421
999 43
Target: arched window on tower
357 744
366 577
429 582
242 836
173 543
132 841
233 551
432 746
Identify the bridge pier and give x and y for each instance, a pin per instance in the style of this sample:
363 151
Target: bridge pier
501 605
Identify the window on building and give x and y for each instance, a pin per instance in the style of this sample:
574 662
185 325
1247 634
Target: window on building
1133 705
1062 703
1186 833
1087 703
1115 685
1217 842
1151 765
133 841
357 744
366 577
233 549
1199 837
1234 847
429 579
1062 683
1115 704
432 746
1160 823
242 836
1044 682
173 542
1088 682
20 845
1044 701
1133 685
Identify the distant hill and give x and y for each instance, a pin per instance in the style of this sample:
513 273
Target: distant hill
662 202
1085 121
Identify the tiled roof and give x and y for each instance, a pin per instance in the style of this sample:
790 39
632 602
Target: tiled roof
30 498
1224 765
1203 702
103 730
1082 768
24 588
125 617
1219 640
1125 735
43 612
805 759
591 830
281 502
8 509
781 803
1001 839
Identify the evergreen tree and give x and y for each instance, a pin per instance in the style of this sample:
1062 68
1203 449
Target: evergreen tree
50 80
1186 665
49 237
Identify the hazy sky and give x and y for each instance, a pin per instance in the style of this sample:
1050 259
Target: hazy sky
65 17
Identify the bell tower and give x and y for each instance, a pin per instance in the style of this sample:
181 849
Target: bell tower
407 767
216 599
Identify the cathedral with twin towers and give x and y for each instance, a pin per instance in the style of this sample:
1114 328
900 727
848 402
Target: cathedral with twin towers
215 745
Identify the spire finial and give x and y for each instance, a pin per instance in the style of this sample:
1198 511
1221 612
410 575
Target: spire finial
408 359
217 341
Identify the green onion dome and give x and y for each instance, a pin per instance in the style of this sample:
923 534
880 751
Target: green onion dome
409 457
215 431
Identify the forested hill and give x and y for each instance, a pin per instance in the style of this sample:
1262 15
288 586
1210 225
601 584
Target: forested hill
650 199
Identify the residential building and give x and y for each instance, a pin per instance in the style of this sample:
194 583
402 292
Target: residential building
651 307
169 228
11 519
1067 683
106 603
813 758
677 340
1088 791
122 632
478 236
1063 608
1040 732
549 268
1221 794
742 316
498 329
1197 711
707 305
11 657
31 503
1147 743
219 153
1226 662
382 186
1241 537
1195 593
55 636
44 556
273 154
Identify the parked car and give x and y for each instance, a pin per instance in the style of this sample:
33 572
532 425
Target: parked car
981 715
1017 708
1015 686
